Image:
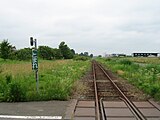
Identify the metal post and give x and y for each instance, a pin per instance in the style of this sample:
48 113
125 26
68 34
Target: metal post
37 80
36 71
35 57
35 41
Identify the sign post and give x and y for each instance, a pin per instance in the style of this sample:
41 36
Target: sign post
35 60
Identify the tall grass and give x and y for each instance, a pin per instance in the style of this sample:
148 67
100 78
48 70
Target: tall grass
56 79
146 78
147 60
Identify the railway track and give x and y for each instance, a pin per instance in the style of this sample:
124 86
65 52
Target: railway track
108 100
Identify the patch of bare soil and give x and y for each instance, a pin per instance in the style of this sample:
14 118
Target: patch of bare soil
81 87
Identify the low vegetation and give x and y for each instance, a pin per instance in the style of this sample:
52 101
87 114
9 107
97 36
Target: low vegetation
145 77
81 58
56 79
145 60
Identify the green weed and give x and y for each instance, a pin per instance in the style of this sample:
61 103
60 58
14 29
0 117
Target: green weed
145 77
56 80
15 93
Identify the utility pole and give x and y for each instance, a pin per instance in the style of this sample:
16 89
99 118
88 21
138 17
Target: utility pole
33 42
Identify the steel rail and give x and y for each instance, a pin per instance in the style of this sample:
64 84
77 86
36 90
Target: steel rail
96 93
103 115
138 114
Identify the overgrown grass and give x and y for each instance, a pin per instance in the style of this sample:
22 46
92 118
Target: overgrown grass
146 60
56 78
147 77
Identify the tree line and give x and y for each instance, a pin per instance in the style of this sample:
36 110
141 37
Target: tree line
8 51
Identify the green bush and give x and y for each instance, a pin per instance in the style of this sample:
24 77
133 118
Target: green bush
125 62
3 88
82 58
8 78
108 59
56 79
16 92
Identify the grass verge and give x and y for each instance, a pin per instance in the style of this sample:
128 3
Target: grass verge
146 78
56 79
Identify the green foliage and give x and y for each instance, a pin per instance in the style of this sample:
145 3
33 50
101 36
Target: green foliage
15 92
1 69
82 58
48 53
125 62
67 53
73 51
45 52
24 54
99 56
8 78
58 54
91 55
8 51
5 50
145 77
56 79
3 88
86 54
145 60
108 59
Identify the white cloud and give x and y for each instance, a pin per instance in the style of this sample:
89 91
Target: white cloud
86 25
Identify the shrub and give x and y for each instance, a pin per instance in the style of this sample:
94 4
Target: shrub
56 79
8 78
3 87
15 92
1 70
108 59
125 62
82 58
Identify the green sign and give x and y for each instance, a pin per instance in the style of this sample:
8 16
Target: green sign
34 59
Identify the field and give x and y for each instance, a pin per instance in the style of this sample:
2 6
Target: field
145 60
56 79
145 76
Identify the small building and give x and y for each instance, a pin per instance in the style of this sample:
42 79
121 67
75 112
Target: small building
121 55
145 54
115 55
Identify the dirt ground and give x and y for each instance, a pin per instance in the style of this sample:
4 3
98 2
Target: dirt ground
82 87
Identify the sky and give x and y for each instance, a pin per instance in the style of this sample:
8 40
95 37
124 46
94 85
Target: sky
94 26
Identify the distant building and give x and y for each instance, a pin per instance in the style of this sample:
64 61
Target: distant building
121 55
108 55
145 54
115 55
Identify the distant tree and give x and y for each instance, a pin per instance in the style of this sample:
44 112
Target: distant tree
58 54
13 53
86 54
46 52
42 51
99 55
5 50
73 51
81 54
91 55
65 50
24 54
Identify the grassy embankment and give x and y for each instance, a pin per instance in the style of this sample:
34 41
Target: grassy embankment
145 77
56 79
